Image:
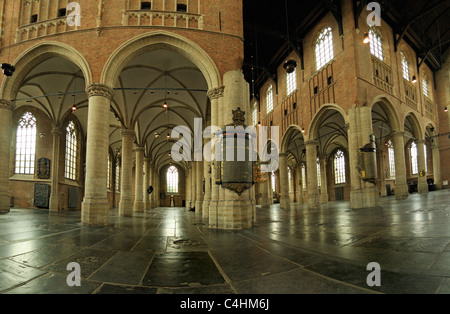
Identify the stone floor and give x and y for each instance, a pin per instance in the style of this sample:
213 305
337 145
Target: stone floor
172 251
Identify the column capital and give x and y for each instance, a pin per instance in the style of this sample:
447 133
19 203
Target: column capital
420 141
139 149
216 93
6 104
127 132
56 131
96 89
398 134
311 143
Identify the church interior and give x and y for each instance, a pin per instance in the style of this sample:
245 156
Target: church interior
113 115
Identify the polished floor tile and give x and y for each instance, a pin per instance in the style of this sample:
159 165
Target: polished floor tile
172 251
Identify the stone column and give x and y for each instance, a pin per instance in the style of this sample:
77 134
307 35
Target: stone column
6 109
323 180
139 181
285 202
193 184
125 203
54 195
153 183
95 206
311 171
199 187
147 203
215 96
265 201
299 184
236 211
207 196
188 187
401 187
382 162
436 165
362 194
422 185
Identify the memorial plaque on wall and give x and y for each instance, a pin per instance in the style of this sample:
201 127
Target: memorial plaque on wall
73 198
41 195
43 168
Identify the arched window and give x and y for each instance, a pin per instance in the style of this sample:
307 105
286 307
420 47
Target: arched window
291 82
324 48
269 99
339 167
414 160
71 152
255 114
26 144
172 180
376 46
391 155
117 181
289 179
319 179
425 88
304 176
273 181
405 66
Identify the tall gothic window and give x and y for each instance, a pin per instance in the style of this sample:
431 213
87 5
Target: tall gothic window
71 152
319 179
304 176
425 88
291 82
255 114
26 144
273 181
376 46
414 160
289 179
172 180
269 99
339 167
324 48
117 181
405 67
391 155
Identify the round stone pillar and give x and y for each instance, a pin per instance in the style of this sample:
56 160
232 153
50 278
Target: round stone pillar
401 187
125 204
199 187
285 202
147 205
311 171
299 185
422 185
54 195
139 181
6 109
323 180
436 166
95 206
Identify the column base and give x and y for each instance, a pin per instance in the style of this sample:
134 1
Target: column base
314 201
265 202
205 209
422 187
147 205
126 208
285 202
53 204
401 192
198 207
138 206
364 198
323 198
233 215
5 204
95 212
